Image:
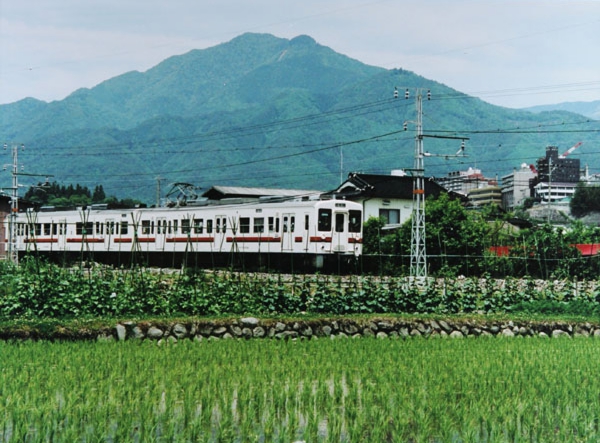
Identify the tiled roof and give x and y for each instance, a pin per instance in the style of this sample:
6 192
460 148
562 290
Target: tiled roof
385 186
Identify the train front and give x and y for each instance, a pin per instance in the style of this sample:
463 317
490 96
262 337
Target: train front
338 235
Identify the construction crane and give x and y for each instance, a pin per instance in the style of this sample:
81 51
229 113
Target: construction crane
571 149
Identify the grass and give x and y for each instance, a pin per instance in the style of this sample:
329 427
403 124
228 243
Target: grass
484 390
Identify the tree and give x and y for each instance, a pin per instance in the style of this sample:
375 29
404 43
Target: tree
585 200
98 196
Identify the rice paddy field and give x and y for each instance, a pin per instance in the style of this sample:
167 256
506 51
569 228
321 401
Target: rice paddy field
363 390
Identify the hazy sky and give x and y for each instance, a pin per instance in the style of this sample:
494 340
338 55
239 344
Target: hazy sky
512 53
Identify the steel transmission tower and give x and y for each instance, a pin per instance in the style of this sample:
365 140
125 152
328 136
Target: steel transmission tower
418 253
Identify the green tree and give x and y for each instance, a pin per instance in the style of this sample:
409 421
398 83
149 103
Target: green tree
585 200
98 196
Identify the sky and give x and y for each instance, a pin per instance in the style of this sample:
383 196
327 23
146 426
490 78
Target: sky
513 53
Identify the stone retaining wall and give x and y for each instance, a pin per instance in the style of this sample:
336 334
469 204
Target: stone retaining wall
254 328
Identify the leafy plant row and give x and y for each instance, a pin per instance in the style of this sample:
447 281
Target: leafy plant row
40 290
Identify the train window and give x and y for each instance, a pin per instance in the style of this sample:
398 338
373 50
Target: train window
259 225
209 226
110 227
146 227
306 222
38 229
324 222
354 221
62 228
169 227
124 227
285 224
224 225
47 228
244 225
54 228
292 223
185 226
84 228
198 225
271 221
218 227
99 228
339 222
175 226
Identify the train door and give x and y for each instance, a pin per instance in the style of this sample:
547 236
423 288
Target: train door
161 232
220 232
61 233
338 239
288 226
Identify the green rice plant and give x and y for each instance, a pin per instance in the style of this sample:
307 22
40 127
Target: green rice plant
485 390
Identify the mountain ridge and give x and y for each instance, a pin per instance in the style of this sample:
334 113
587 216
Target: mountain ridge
260 110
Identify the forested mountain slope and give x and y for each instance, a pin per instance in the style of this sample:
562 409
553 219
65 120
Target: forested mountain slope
266 111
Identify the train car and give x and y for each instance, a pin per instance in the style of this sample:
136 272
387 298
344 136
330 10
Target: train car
317 234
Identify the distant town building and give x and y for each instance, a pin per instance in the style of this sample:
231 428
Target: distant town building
471 183
557 176
465 181
488 195
518 186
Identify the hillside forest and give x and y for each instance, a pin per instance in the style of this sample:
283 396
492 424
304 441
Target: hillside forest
272 112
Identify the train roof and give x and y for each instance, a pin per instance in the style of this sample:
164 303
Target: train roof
228 203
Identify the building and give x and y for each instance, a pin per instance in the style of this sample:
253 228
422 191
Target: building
386 196
517 186
488 195
557 176
464 182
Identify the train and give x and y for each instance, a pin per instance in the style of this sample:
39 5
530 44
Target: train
294 234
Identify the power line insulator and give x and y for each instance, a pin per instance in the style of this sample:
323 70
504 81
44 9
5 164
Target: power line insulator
405 126
428 94
406 94
395 92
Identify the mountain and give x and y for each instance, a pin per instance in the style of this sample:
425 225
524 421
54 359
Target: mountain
265 111
589 109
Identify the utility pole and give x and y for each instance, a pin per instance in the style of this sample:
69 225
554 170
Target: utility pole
548 209
13 253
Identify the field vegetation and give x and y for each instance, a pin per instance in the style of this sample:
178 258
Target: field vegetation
367 390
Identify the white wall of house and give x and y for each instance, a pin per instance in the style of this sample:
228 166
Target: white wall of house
398 211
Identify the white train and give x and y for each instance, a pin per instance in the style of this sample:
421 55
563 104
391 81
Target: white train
311 233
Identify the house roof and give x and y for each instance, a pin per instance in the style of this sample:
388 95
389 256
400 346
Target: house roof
384 186
221 192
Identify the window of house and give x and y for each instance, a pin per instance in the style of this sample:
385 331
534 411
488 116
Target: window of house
391 216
